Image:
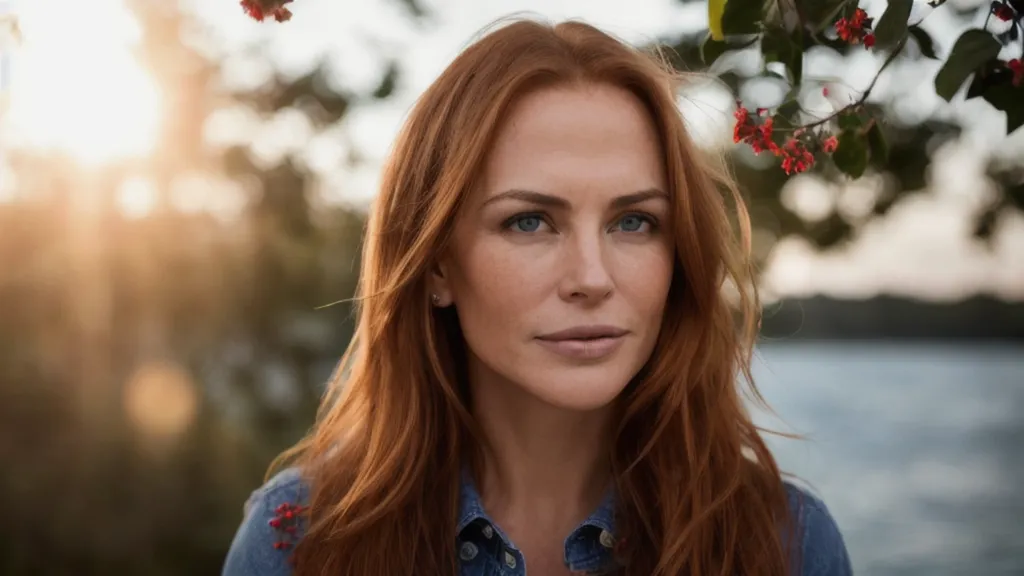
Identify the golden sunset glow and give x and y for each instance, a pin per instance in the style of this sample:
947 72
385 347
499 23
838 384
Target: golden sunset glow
76 87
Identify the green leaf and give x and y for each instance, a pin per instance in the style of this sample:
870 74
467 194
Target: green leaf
742 17
711 49
994 82
879 147
1009 99
851 157
977 87
788 109
785 121
924 42
971 51
892 26
850 121
992 73
387 82
778 46
782 13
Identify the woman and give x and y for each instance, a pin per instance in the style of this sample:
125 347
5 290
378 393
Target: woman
544 377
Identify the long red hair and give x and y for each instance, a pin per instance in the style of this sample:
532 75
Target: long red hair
698 491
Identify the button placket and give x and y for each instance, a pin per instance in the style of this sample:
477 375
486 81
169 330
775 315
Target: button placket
510 560
468 551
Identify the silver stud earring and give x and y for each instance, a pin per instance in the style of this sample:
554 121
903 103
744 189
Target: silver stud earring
435 299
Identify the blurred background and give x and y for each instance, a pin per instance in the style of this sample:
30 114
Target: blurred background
183 190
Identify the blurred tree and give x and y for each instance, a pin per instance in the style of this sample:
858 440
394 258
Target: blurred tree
152 366
783 34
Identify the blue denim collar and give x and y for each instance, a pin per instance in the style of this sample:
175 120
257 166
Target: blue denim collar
588 548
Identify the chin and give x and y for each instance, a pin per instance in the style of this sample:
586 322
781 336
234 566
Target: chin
580 389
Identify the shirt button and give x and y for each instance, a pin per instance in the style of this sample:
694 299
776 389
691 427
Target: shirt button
607 540
510 560
488 532
468 551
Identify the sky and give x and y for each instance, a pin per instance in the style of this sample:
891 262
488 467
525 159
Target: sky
921 249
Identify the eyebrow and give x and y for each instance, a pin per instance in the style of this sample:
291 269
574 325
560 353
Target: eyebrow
558 202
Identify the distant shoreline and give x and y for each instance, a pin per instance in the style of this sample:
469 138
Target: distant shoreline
977 319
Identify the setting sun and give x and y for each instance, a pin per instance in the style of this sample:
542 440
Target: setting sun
75 85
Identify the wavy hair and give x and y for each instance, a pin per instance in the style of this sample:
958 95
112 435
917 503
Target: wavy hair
698 491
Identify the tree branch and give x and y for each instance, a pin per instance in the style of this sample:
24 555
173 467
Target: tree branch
867 92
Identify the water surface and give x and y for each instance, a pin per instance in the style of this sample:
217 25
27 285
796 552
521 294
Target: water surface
918 449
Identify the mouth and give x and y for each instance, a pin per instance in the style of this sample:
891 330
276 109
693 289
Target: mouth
584 342
584 333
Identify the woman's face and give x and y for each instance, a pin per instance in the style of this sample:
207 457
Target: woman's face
561 260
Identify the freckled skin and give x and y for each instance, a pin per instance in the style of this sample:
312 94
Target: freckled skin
517 270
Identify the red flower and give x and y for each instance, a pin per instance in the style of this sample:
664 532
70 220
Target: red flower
830 144
259 10
1002 11
765 142
253 10
1017 67
796 158
856 29
758 136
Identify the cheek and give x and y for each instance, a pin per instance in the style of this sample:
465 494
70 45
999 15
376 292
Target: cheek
645 276
498 283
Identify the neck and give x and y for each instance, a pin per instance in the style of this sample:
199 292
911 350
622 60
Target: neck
546 466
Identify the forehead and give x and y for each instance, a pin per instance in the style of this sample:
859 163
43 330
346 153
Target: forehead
568 138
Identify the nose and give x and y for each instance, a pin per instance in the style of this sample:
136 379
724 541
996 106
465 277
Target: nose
587 275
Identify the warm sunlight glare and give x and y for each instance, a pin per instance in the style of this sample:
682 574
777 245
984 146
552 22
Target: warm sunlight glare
76 86
136 197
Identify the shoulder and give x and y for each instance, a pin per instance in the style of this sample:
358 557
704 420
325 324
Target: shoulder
272 524
819 543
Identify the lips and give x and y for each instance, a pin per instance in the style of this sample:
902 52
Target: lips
584 342
585 333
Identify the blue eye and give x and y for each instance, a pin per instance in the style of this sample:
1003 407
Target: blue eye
528 223
634 223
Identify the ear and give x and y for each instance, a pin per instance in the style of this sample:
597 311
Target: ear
439 283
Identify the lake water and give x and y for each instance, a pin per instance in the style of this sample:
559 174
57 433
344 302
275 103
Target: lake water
918 449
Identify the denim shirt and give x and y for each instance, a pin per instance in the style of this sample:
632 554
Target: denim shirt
272 526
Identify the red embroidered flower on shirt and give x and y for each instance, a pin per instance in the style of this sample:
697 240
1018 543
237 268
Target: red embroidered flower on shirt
285 523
